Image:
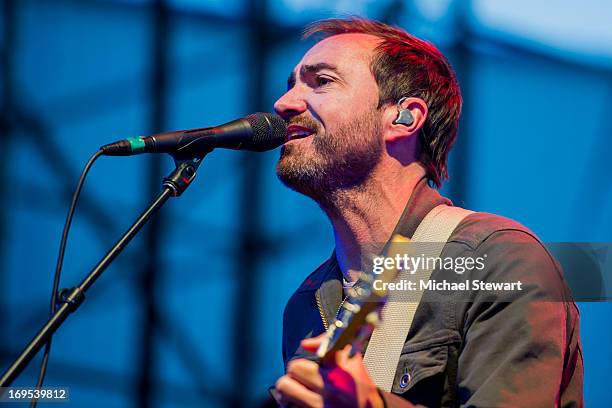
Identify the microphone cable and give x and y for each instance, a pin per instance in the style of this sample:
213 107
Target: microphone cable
58 266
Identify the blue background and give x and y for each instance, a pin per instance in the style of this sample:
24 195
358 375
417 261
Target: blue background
190 314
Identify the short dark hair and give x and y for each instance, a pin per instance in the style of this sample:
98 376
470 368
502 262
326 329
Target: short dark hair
404 65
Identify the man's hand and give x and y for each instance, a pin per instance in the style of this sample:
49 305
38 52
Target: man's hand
344 382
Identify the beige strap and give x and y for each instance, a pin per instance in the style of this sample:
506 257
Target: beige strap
385 346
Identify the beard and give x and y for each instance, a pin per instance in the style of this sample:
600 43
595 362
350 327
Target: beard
342 159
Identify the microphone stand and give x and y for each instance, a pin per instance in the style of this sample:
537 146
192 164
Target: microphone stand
70 299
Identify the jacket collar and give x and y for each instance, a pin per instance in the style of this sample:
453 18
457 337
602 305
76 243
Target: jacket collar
421 202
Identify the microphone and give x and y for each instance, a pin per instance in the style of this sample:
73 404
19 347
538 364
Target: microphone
257 132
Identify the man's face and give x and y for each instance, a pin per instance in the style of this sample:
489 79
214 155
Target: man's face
334 126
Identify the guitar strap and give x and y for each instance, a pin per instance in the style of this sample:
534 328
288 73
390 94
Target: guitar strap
388 338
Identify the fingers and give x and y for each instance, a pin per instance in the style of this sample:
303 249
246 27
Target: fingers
294 393
343 381
338 358
307 373
312 344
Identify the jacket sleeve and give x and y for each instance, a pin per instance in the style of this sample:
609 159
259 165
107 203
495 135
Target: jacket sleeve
522 347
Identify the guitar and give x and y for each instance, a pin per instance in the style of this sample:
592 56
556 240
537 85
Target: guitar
359 313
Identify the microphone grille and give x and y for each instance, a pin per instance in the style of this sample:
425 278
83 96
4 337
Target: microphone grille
269 131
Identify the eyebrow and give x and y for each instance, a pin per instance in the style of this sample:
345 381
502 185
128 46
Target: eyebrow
310 68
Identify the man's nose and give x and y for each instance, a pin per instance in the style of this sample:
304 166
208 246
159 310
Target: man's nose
290 104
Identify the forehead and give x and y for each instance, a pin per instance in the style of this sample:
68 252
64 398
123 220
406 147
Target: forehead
346 51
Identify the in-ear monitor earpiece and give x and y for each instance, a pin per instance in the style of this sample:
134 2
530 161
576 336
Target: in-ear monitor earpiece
404 116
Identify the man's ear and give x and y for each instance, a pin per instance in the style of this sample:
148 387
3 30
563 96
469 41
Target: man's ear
404 119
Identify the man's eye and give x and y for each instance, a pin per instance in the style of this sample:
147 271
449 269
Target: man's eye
322 80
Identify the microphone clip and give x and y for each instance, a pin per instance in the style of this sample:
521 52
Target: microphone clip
182 176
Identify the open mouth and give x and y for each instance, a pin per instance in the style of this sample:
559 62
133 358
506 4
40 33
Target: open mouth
298 132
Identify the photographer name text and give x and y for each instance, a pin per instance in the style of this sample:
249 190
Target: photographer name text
445 285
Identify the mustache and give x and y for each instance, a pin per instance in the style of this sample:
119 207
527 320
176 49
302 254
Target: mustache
304 121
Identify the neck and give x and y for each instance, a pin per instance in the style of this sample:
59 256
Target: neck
364 218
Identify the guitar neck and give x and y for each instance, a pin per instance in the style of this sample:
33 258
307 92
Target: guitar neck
360 312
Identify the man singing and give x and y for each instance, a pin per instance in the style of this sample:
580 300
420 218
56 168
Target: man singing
372 114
